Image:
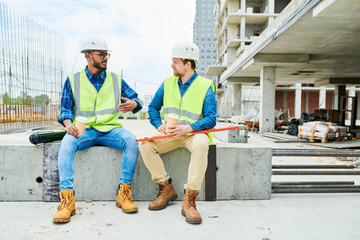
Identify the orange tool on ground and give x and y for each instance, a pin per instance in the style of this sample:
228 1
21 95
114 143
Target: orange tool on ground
189 134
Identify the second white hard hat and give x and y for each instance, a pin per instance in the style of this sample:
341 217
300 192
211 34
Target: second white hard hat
93 43
185 50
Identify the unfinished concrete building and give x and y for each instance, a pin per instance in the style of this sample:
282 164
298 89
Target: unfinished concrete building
299 54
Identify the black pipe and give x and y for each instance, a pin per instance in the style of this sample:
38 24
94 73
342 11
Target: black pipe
314 183
334 172
312 166
45 137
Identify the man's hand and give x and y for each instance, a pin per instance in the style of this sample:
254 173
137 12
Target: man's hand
180 130
162 128
127 106
70 128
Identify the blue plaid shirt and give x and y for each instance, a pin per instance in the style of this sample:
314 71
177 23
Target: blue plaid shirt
209 107
67 98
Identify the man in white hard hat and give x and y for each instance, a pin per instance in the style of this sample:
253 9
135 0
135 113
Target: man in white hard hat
98 96
190 99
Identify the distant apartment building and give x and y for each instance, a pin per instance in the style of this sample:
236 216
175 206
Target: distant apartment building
204 36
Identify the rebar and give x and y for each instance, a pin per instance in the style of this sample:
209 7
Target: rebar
32 68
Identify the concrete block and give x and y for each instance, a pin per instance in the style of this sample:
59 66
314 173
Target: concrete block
21 173
30 173
96 173
98 170
239 135
176 164
244 172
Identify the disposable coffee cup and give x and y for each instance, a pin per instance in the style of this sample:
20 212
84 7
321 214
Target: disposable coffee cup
81 124
171 121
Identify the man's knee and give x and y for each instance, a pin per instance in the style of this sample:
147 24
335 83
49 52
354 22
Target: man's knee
201 141
144 147
67 143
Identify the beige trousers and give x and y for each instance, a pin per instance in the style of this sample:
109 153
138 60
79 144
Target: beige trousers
197 144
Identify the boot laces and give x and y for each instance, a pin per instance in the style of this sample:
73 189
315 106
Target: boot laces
190 200
65 202
161 191
126 195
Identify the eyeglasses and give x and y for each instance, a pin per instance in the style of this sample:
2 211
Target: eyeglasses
102 54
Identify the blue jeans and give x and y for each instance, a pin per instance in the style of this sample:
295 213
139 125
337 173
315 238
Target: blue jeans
118 138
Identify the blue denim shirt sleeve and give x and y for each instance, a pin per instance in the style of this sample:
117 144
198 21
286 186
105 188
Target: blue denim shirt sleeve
128 92
209 113
67 103
155 107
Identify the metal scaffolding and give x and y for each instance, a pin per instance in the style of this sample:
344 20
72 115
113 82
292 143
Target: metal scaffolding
32 68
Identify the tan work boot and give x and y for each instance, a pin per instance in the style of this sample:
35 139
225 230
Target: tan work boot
66 209
189 207
166 194
124 199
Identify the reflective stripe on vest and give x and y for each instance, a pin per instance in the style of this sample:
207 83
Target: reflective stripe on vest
100 108
188 107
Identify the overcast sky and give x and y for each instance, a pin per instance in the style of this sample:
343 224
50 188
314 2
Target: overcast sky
140 32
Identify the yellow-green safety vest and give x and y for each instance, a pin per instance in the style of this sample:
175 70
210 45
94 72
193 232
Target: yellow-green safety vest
100 108
188 107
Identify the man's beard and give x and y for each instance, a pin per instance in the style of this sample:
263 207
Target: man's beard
177 74
98 66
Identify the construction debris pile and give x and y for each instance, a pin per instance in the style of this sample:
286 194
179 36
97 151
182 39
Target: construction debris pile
322 125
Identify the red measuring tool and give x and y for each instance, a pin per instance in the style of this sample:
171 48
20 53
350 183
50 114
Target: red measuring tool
193 133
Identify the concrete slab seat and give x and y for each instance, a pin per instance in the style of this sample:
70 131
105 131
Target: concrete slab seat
30 173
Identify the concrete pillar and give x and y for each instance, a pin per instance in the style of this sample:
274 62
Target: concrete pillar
307 101
223 104
271 20
237 99
285 100
322 97
340 90
267 100
298 100
271 6
271 10
243 6
218 105
242 32
350 102
228 103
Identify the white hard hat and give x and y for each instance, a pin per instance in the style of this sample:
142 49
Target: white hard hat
185 50
93 43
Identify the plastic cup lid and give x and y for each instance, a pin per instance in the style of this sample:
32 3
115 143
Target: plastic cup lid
81 119
173 116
